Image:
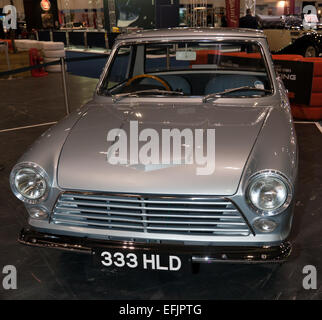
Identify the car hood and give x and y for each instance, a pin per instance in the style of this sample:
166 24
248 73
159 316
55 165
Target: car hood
84 162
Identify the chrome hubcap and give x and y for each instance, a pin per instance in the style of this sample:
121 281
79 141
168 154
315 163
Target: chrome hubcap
310 52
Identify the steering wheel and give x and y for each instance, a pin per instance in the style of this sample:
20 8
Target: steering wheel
166 86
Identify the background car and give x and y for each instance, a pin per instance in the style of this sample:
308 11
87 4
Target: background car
285 35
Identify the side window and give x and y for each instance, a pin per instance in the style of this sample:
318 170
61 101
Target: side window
120 69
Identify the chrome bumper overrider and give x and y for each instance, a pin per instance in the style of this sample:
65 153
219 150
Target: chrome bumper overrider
197 253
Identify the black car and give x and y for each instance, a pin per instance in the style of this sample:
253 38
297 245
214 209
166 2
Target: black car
286 35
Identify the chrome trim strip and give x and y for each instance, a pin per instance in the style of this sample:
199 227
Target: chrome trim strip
198 254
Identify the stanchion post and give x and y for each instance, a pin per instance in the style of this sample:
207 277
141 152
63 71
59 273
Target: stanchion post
85 40
63 72
67 38
106 41
7 55
5 46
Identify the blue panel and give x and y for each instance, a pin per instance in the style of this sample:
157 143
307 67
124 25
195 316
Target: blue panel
87 68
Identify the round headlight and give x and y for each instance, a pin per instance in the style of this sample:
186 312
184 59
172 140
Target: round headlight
269 193
29 183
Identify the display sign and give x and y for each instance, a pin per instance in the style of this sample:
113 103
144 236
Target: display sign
186 55
232 13
45 5
297 77
135 13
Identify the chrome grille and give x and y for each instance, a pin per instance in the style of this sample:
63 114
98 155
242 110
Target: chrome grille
150 214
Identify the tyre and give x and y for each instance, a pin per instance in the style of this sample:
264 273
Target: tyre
310 52
21 45
37 45
55 67
54 53
50 45
46 60
33 44
25 45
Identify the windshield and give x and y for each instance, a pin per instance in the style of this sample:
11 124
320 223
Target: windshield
195 68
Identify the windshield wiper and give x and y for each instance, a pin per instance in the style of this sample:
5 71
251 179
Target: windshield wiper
120 96
222 93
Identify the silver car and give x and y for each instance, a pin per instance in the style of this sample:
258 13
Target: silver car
187 153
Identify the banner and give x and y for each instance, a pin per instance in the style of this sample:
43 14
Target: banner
294 74
232 13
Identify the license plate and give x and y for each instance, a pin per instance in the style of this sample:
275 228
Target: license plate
139 260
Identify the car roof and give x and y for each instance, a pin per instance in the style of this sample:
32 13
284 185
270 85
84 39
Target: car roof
191 32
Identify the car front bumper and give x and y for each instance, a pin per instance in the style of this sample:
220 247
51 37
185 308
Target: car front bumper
197 253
